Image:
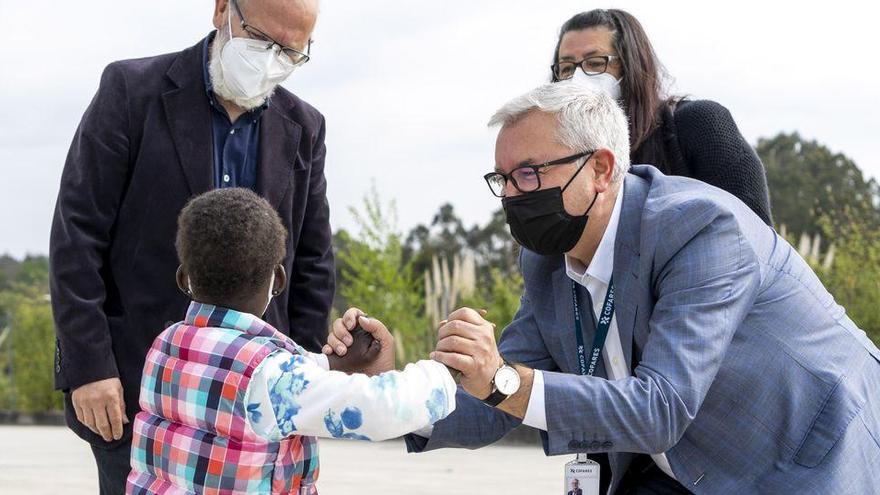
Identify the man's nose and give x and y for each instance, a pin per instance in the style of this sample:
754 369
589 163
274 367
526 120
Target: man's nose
510 190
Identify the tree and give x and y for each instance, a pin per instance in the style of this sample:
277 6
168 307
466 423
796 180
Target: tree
808 181
28 353
445 237
853 277
375 277
27 336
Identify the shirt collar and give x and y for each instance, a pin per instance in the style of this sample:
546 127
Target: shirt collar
207 315
602 265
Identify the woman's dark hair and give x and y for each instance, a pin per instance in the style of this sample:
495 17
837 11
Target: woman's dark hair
229 241
642 82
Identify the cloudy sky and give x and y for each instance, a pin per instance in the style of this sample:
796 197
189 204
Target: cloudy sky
407 86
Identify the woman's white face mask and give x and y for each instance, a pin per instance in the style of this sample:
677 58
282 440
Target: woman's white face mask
243 71
604 81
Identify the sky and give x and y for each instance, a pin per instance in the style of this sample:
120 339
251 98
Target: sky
408 86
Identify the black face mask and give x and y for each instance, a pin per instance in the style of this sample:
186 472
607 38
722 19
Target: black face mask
539 222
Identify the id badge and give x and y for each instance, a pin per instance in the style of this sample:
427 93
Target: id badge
581 477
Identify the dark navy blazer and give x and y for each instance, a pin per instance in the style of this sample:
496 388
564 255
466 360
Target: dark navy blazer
142 149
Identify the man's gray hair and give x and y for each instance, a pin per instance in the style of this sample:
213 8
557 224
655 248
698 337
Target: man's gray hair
589 119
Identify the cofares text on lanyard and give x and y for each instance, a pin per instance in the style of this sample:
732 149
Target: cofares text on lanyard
603 324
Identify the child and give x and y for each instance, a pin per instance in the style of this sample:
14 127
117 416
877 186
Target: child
231 405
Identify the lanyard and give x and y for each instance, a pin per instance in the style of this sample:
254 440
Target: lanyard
604 323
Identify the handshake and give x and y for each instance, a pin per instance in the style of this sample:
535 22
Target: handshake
465 343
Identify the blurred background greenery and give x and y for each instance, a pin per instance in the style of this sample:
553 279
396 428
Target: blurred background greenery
822 203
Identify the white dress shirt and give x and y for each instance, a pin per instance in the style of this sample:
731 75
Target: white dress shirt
595 278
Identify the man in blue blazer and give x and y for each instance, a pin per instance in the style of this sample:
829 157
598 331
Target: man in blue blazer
159 131
662 323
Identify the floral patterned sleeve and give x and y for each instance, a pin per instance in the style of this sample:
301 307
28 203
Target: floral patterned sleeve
297 395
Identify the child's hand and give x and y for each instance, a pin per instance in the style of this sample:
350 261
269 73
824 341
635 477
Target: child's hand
358 343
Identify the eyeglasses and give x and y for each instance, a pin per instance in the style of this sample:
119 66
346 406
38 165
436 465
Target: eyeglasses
592 66
295 56
526 178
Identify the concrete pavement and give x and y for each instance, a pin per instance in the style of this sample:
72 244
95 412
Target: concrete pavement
43 460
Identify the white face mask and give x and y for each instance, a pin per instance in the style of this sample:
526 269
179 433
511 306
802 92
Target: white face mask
250 72
603 81
270 295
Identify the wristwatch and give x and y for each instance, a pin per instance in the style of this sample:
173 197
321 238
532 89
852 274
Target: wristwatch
504 384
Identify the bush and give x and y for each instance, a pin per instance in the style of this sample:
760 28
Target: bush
854 274
374 278
501 299
29 355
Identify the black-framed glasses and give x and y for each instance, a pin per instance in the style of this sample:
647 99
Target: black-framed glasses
526 178
592 66
295 56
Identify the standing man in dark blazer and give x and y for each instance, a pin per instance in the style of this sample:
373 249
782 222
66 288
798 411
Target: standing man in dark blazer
159 131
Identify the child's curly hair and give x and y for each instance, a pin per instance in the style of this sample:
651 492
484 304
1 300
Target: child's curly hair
229 241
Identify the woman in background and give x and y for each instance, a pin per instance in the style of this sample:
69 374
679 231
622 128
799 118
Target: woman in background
694 138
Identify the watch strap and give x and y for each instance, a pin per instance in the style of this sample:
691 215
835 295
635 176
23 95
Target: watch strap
495 398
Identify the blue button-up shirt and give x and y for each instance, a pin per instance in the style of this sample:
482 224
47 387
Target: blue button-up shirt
236 145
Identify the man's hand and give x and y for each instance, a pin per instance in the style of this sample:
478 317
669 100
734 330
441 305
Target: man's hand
466 342
372 350
99 405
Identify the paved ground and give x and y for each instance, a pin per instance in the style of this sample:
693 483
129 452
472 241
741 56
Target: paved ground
38 460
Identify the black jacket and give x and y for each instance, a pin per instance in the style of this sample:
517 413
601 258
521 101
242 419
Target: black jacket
142 149
699 139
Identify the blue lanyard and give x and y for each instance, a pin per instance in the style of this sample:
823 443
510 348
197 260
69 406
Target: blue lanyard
604 324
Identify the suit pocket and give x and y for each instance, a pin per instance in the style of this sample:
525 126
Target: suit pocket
842 405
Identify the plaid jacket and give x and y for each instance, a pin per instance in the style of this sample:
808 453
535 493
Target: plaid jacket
192 434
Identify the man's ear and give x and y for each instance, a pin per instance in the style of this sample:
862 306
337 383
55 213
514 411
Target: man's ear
220 14
280 280
603 169
183 280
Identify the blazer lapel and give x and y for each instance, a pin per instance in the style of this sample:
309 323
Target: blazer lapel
279 141
626 262
189 119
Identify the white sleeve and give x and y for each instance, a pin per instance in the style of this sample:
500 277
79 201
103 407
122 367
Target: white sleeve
536 415
295 395
320 359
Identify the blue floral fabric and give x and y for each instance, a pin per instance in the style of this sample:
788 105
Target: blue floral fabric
297 395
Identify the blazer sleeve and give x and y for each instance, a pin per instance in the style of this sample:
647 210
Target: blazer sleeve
313 276
93 182
707 279
475 424
717 153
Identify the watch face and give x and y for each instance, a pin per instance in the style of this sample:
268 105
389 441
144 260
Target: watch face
507 380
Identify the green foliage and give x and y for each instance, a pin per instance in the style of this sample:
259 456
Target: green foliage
27 344
446 236
808 181
854 275
501 300
32 342
374 277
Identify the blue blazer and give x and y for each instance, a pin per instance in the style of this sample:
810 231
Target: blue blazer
746 372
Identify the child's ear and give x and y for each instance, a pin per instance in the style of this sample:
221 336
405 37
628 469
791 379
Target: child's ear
183 281
280 280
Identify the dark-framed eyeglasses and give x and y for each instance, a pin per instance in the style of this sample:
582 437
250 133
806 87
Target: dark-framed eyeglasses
526 178
592 66
295 56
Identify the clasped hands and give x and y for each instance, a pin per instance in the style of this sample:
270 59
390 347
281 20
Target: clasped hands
465 343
